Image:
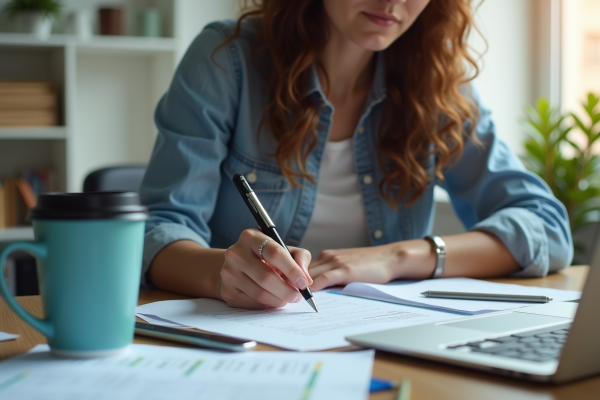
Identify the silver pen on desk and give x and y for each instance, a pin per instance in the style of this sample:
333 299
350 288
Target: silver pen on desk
520 298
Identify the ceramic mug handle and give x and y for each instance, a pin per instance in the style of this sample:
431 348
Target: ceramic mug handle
39 250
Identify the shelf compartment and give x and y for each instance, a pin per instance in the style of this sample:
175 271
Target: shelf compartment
33 133
129 44
105 44
17 233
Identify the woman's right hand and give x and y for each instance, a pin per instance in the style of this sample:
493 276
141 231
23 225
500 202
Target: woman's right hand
247 281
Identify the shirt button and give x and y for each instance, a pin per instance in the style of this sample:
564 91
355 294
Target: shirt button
378 234
251 177
361 130
367 179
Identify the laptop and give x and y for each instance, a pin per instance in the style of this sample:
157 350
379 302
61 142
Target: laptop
554 342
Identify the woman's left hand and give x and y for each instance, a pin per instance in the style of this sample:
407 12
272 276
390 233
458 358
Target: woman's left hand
342 266
474 254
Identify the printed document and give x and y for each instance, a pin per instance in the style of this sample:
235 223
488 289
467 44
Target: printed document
7 336
295 326
409 293
157 372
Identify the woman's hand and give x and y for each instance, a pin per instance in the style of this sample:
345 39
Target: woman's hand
343 266
378 264
247 281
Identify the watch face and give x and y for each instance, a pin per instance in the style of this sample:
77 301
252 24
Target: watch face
440 250
437 241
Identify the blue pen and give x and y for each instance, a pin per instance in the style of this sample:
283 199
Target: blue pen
379 385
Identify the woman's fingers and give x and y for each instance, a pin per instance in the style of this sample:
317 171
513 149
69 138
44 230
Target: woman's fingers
278 257
269 280
318 270
326 261
241 266
303 259
240 299
263 271
328 278
237 281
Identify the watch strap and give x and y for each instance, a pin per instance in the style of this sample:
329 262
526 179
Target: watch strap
440 250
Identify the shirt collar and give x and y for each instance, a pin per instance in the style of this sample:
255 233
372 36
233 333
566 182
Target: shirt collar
377 92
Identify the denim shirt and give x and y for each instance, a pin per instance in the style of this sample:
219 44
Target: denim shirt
207 131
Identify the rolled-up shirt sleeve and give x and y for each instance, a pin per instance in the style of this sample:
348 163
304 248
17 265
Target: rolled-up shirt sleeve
491 191
195 119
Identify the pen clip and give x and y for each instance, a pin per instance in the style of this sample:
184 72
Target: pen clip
259 213
251 203
260 210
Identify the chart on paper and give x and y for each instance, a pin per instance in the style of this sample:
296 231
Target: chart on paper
295 326
153 372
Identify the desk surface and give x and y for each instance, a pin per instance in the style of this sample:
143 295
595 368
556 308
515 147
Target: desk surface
429 380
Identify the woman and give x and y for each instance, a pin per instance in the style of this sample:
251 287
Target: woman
343 115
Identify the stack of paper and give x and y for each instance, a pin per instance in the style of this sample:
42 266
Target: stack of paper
409 294
7 336
155 372
295 326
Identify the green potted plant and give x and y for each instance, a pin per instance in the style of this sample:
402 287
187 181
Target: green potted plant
563 150
36 15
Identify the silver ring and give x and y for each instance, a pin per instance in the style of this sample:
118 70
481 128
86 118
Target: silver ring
260 248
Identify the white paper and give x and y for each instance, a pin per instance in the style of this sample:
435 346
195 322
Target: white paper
7 336
157 372
156 320
296 326
410 294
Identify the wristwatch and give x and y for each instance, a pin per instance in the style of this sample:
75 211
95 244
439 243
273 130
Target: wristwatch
440 250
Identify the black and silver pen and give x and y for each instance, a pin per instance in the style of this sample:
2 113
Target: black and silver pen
520 298
201 339
266 224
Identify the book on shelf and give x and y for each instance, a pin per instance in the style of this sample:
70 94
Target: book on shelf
20 195
26 191
11 88
44 101
28 118
10 209
28 103
2 200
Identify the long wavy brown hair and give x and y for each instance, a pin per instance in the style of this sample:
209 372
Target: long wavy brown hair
427 97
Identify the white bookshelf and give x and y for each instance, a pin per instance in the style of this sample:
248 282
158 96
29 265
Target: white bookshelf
108 88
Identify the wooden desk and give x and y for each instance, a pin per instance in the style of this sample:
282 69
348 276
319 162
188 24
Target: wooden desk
430 381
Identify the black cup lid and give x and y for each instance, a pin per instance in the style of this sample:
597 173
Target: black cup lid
93 205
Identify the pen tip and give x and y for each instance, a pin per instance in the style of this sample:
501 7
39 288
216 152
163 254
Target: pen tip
312 303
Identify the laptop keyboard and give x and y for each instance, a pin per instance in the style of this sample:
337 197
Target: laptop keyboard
538 345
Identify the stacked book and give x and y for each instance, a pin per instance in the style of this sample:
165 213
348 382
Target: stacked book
18 194
28 103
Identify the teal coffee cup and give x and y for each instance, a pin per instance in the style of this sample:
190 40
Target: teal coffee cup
88 248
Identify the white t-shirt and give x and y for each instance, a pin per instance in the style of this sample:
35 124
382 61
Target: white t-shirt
339 218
